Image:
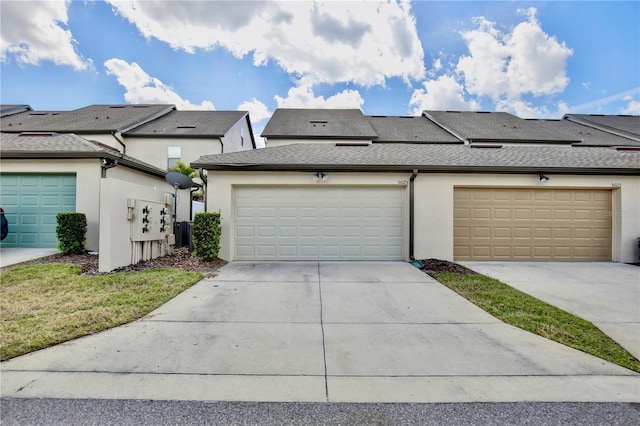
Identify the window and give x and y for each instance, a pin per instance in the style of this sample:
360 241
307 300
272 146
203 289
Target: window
174 153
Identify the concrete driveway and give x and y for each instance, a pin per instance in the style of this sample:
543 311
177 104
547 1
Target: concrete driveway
350 332
606 294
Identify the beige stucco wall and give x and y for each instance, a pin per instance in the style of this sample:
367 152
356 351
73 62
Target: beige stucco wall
221 186
87 186
271 142
238 138
433 228
116 247
154 150
434 207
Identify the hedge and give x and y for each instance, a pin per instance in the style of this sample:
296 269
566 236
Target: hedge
71 232
205 233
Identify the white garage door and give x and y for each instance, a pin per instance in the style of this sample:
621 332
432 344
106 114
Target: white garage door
319 223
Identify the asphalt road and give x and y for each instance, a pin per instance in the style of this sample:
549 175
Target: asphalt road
134 412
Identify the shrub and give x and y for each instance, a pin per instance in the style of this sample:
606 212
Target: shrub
205 233
71 232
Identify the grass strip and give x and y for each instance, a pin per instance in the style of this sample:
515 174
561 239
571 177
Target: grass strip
43 305
528 313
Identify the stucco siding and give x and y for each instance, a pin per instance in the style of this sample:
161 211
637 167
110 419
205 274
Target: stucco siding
238 138
116 247
434 207
154 151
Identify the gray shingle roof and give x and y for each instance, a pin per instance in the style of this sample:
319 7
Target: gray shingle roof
495 126
409 130
67 145
427 157
589 136
13 109
318 123
90 119
190 123
628 125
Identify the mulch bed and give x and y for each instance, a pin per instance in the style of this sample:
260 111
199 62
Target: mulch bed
437 266
181 258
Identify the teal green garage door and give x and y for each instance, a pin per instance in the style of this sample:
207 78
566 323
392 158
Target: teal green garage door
31 203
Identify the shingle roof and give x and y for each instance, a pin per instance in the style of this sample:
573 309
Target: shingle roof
66 145
627 125
13 109
318 123
589 136
427 157
190 123
90 119
409 130
495 126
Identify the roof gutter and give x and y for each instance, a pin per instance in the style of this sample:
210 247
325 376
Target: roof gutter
42 155
424 168
411 212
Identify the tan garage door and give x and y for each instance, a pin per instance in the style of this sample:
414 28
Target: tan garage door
532 224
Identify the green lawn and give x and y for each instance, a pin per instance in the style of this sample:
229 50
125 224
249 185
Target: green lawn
521 310
42 305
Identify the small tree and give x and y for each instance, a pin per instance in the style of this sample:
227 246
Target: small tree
71 232
181 167
205 233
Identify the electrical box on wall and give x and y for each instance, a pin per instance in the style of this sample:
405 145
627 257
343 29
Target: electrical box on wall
150 221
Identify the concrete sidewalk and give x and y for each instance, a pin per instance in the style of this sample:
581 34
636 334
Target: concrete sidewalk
339 332
606 294
14 255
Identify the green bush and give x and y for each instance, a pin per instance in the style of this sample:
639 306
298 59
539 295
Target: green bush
71 232
205 233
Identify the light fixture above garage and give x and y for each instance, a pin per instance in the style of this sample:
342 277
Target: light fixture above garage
544 179
319 175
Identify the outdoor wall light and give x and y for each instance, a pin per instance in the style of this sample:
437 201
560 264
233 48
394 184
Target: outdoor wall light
319 175
544 179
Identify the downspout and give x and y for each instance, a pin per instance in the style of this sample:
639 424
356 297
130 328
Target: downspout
106 165
203 177
411 212
118 137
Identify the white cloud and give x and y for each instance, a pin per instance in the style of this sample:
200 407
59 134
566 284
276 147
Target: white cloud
632 107
258 111
303 97
140 87
34 31
507 65
522 109
443 93
317 42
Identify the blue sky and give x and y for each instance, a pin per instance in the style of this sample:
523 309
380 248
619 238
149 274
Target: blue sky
533 59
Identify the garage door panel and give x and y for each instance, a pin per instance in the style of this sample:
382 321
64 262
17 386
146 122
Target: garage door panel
534 224
320 223
31 203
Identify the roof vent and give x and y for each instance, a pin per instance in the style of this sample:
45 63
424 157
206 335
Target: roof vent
353 143
494 146
37 113
38 134
117 106
626 148
186 126
318 121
